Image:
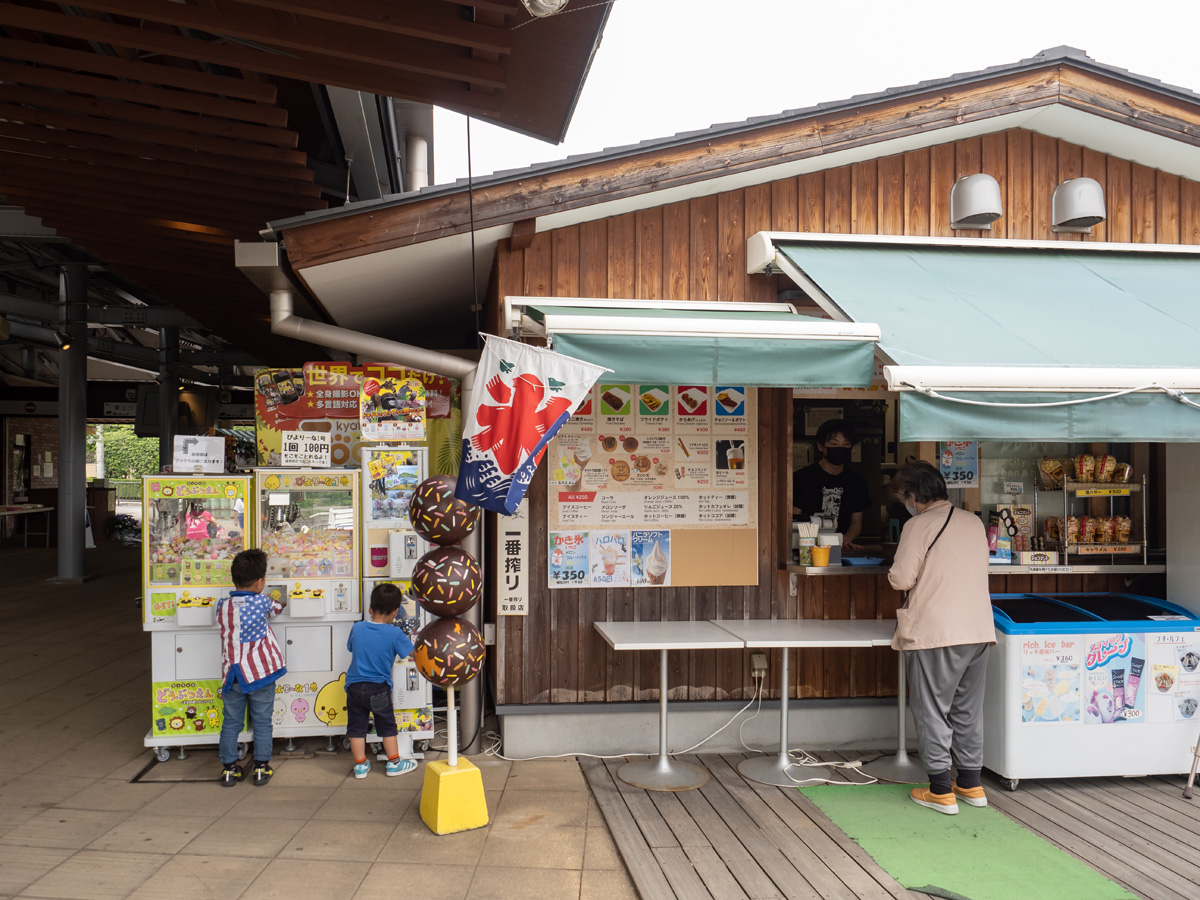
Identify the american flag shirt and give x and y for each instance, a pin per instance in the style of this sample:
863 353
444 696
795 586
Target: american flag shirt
249 652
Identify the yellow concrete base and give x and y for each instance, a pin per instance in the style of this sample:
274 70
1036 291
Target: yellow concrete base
452 799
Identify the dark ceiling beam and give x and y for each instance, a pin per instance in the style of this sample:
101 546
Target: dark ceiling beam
133 227
137 316
145 72
148 115
187 101
321 68
309 35
425 19
507 7
214 189
166 137
162 160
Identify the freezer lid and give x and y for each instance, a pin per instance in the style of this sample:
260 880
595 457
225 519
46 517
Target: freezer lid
1126 608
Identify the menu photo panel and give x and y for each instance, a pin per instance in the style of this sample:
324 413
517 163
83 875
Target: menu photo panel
655 485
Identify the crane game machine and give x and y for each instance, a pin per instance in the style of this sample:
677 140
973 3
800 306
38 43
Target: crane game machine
192 528
306 523
390 475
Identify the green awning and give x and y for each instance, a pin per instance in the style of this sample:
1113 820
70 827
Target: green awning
752 344
1011 311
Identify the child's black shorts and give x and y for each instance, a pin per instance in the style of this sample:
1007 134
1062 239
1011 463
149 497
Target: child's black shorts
364 698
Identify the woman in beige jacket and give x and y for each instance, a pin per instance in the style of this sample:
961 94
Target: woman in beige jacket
945 626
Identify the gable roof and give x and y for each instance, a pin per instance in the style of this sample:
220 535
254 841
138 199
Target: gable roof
1060 92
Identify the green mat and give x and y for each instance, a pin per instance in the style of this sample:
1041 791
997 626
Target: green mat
980 854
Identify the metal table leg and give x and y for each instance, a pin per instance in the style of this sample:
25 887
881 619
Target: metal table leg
900 768
663 773
773 769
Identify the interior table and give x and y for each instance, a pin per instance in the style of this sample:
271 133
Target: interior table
786 634
6 511
664 773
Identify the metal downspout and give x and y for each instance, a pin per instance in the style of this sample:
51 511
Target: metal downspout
285 322
72 424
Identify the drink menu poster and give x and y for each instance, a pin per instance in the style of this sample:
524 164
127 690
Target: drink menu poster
655 485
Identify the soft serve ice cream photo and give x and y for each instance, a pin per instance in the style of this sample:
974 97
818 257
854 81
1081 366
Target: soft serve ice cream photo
651 555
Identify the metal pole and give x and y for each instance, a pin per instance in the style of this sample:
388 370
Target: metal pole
72 423
662 705
168 394
451 728
472 692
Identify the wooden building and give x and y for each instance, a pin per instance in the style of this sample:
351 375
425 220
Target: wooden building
669 220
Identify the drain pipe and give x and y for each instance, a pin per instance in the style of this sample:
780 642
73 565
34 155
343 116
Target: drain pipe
285 322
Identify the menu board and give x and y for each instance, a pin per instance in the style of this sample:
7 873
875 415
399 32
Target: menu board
655 485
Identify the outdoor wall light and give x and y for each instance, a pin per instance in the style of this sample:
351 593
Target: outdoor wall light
542 8
1077 205
975 202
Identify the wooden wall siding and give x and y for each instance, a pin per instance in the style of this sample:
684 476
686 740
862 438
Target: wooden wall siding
695 250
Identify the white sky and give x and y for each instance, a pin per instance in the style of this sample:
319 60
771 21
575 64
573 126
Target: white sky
666 66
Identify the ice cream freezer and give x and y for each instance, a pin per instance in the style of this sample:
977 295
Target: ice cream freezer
1089 685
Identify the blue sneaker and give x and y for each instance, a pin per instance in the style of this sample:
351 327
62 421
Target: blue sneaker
400 766
361 769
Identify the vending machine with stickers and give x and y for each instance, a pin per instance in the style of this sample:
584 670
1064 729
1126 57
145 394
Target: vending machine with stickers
191 531
391 548
306 522
1091 684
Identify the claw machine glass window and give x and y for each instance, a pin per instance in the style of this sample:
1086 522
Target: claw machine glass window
306 522
191 536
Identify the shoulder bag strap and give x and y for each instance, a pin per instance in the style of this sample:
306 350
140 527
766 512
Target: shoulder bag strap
927 549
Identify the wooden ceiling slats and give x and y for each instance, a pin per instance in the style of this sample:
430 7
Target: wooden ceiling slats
188 101
145 72
309 35
169 176
73 220
146 155
322 69
426 19
194 144
508 7
148 115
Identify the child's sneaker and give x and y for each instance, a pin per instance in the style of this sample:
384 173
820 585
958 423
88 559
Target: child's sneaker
399 767
262 773
231 775
361 769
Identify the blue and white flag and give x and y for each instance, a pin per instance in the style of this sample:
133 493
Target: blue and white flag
523 395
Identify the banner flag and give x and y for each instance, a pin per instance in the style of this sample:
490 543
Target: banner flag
523 395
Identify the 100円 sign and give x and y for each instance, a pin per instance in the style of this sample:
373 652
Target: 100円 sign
311 449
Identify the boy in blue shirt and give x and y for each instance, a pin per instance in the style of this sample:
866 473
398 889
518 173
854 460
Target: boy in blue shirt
374 646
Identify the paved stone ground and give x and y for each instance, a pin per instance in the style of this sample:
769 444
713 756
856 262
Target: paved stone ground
74 670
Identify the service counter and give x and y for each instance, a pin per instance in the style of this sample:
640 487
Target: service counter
1094 569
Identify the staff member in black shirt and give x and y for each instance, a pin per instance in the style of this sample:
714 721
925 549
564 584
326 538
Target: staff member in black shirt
826 489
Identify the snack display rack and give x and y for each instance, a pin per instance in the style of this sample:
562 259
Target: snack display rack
1114 549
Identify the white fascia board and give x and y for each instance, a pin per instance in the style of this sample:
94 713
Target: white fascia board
804 328
1058 379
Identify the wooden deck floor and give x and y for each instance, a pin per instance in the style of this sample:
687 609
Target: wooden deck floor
738 840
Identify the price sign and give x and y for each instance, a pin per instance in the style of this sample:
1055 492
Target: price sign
310 449
1103 492
960 464
1014 487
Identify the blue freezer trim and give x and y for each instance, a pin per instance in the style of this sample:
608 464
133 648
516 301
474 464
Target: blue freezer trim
1094 624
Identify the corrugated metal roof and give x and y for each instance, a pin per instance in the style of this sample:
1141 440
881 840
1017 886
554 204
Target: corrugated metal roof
1055 55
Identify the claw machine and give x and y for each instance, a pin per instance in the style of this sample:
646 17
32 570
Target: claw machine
390 475
190 535
306 522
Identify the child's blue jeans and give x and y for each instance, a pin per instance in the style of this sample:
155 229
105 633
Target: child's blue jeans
261 703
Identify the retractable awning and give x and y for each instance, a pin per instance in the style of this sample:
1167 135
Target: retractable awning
1007 340
753 344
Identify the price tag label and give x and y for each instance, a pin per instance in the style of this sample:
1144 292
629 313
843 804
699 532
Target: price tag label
310 449
1014 487
1103 492
1050 570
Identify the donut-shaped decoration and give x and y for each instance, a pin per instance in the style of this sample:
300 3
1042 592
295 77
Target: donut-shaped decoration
449 652
437 515
446 581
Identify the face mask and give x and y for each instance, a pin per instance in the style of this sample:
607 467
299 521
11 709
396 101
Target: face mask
912 510
837 456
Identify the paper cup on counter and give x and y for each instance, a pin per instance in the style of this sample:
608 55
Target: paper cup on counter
820 556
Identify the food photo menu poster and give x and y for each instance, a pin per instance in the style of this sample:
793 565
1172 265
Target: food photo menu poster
655 485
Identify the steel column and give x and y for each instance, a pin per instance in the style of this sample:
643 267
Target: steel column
168 394
72 423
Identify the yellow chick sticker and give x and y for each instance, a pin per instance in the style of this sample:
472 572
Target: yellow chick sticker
330 705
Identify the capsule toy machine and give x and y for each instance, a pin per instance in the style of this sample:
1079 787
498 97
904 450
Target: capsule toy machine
391 548
191 532
306 523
